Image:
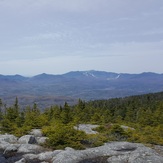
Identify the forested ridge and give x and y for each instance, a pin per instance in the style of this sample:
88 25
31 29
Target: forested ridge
143 114
49 89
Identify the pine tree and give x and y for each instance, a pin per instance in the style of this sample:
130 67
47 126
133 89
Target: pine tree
1 112
65 114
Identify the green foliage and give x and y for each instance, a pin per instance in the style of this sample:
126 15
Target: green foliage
144 113
117 133
101 129
94 140
149 135
7 126
1 113
61 136
66 115
20 131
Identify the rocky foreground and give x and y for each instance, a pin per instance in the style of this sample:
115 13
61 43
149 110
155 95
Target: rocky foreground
28 149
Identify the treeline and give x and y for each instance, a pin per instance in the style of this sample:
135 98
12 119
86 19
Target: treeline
144 113
142 109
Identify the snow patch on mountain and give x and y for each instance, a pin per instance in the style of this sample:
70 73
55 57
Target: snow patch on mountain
118 76
114 78
89 74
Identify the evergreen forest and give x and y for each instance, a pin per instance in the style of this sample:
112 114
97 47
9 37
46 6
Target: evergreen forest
143 114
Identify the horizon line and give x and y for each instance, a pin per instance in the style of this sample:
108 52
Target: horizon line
45 73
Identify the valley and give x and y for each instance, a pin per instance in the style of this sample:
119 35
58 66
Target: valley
47 89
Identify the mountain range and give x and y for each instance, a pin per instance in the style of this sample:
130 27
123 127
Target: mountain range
46 89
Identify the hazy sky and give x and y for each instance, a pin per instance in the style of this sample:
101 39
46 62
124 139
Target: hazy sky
57 36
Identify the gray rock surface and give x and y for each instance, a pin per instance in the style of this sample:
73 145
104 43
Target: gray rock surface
11 148
43 156
36 132
117 152
135 158
127 127
158 149
21 161
46 156
8 138
21 151
4 145
27 139
30 156
41 140
87 128
30 148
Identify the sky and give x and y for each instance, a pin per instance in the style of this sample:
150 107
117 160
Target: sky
58 36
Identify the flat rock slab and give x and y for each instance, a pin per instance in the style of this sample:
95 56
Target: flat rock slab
87 128
115 152
23 151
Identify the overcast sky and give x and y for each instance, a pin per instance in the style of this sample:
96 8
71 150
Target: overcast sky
57 36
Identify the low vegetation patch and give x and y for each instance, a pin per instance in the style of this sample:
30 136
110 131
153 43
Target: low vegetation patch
143 113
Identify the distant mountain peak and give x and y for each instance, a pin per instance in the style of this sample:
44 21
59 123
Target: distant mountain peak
87 85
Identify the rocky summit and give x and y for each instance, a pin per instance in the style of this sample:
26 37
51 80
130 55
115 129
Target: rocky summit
28 149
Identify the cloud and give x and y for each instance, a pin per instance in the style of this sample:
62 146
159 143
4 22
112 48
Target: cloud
62 64
55 5
92 30
137 48
95 7
157 31
46 36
